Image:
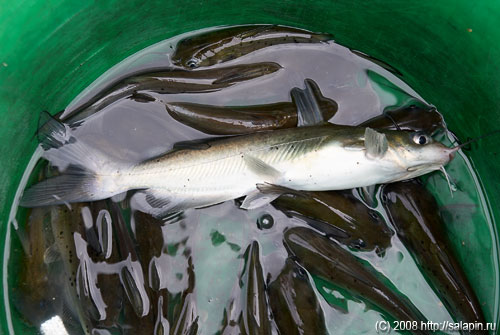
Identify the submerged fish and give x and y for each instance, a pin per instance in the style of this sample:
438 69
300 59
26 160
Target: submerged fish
294 303
150 245
341 216
169 81
225 44
415 215
185 315
325 258
412 118
107 255
67 226
248 312
313 158
219 120
35 293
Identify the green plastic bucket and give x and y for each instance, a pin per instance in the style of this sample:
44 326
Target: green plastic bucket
447 50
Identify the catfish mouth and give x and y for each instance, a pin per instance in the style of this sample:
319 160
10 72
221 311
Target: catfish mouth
424 167
418 170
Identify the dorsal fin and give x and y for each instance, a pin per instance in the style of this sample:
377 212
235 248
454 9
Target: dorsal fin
308 110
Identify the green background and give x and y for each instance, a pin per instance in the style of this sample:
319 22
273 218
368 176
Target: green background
447 50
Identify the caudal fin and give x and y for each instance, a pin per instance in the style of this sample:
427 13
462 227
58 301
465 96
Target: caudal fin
85 170
62 189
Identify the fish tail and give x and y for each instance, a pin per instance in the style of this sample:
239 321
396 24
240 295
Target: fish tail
86 172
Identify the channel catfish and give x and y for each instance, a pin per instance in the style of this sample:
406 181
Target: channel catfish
415 216
296 308
248 309
326 259
235 120
313 158
222 45
141 84
340 215
413 117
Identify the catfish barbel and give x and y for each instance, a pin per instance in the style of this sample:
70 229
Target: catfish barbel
313 158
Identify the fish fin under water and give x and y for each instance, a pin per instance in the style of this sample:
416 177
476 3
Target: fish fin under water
256 199
267 193
164 204
308 111
86 171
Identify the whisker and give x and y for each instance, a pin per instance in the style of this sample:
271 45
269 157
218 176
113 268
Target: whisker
447 179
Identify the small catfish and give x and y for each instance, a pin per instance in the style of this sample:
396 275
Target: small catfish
139 85
325 258
294 303
150 246
415 117
217 120
131 272
185 315
35 292
222 45
68 226
414 213
248 312
340 215
107 255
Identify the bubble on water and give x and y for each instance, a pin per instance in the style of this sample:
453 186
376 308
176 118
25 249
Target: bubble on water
265 221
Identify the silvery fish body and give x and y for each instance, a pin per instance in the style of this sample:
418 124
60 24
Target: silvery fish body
314 158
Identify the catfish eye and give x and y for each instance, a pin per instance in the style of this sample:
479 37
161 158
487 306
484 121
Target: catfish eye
192 63
421 139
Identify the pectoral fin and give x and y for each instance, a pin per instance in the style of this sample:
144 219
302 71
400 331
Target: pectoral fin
376 144
257 199
266 193
261 168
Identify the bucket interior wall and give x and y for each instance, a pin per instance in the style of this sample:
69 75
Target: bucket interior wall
448 51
